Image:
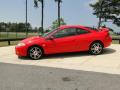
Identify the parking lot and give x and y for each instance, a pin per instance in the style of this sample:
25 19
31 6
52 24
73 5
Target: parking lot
108 62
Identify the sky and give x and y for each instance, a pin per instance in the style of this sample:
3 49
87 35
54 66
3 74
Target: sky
74 12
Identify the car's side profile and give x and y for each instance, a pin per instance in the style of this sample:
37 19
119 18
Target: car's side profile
65 39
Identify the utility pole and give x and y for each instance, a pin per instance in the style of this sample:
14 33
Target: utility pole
42 21
26 26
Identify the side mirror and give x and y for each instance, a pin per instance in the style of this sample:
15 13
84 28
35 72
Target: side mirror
50 38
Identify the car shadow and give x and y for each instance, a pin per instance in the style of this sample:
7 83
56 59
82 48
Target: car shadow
106 51
109 51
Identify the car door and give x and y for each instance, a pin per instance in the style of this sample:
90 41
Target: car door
83 39
64 41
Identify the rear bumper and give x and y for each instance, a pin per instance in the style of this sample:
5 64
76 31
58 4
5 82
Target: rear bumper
107 42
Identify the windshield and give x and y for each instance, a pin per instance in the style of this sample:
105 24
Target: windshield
48 33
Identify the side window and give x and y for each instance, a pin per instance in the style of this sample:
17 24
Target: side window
81 31
65 33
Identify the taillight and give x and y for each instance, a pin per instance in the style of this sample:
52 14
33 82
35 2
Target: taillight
108 36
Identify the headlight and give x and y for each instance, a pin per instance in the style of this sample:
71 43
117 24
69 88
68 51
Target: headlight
21 44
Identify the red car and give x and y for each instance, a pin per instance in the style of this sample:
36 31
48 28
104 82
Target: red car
65 39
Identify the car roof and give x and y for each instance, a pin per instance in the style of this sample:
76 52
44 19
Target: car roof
77 26
70 26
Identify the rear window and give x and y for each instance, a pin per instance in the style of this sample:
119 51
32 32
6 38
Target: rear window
81 31
92 28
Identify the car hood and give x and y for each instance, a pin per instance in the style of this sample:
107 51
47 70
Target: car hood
33 39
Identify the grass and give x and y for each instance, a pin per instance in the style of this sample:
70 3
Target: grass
3 35
12 35
6 43
115 42
16 42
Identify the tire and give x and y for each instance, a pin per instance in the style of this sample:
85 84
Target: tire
96 48
35 53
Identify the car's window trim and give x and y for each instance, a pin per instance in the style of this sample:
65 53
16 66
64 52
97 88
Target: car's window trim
83 30
64 29
57 30
51 33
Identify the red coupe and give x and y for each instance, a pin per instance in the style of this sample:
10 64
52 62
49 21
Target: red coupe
65 39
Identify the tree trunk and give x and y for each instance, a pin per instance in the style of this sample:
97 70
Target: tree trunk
99 23
42 20
58 13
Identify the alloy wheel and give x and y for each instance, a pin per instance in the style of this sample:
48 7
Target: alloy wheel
35 53
96 48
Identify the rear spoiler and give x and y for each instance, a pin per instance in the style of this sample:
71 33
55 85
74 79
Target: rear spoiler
104 29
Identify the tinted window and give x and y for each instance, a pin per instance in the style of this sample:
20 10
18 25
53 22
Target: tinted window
65 33
48 33
81 31
92 28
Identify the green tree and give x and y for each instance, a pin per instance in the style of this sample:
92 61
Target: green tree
3 26
42 11
58 2
107 10
55 23
12 27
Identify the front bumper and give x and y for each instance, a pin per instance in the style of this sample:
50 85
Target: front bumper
21 50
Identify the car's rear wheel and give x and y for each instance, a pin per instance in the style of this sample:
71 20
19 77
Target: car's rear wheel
35 53
96 48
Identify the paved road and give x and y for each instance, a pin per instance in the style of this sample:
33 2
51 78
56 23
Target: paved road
108 62
20 77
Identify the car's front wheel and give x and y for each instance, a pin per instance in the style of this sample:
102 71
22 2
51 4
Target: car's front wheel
35 53
96 48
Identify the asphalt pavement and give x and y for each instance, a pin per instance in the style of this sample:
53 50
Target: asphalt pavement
23 77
